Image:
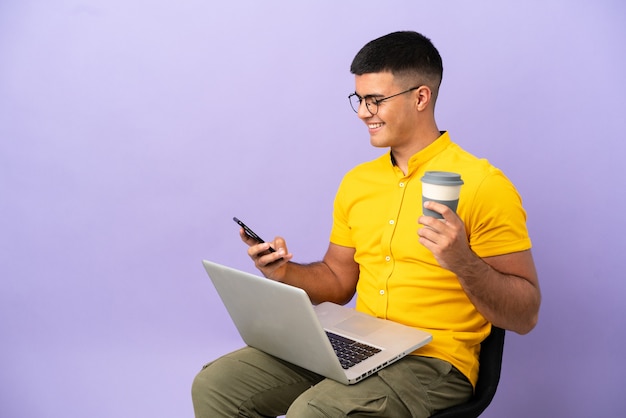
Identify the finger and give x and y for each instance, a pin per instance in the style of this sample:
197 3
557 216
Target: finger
448 214
435 207
280 243
274 260
246 238
427 234
431 224
258 250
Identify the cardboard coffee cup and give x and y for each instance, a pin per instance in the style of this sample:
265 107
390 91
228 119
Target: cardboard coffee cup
442 187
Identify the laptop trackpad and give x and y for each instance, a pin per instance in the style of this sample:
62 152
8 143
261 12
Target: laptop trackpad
359 325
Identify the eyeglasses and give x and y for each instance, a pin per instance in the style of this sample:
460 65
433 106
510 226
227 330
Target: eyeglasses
371 102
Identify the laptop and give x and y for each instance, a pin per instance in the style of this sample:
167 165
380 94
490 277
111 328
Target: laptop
280 320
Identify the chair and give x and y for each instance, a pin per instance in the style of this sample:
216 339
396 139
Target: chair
488 379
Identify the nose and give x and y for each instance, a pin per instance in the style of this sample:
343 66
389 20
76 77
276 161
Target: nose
364 112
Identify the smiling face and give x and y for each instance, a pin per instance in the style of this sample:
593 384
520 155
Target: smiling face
395 121
402 121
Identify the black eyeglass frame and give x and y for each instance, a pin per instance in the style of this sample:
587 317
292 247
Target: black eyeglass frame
374 100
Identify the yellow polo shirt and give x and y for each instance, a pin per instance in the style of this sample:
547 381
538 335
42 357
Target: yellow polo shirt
376 210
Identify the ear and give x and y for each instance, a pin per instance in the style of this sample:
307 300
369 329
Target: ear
423 96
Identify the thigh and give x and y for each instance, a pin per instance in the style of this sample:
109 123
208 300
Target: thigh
413 387
248 383
426 385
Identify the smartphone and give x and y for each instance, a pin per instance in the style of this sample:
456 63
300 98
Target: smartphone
250 233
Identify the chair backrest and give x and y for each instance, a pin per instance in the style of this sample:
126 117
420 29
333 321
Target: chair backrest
490 359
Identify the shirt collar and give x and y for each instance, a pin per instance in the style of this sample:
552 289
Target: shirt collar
427 153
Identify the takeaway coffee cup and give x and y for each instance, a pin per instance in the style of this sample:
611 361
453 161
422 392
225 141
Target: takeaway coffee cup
442 187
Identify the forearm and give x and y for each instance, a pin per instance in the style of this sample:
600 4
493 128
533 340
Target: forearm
331 280
507 300
319 281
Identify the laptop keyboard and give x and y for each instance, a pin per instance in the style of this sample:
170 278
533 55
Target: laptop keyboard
350 352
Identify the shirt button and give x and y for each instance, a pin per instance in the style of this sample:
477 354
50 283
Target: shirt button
401 184
382 292
388 258
391 222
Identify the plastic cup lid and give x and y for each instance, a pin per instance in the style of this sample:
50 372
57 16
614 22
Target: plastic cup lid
444 178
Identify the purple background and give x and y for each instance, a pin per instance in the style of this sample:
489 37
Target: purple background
132 131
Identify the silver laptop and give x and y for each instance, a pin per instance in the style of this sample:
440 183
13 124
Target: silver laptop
280 320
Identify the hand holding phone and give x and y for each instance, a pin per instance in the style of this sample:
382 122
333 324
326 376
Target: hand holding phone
251 234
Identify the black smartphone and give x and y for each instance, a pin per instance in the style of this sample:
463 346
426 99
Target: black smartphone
249 232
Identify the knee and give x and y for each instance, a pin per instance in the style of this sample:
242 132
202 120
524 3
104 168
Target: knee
302 407
210 393
214 377
201 384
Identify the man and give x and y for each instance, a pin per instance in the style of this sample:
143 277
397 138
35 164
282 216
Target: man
452 277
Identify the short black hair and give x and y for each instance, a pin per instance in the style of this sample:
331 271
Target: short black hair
404 53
